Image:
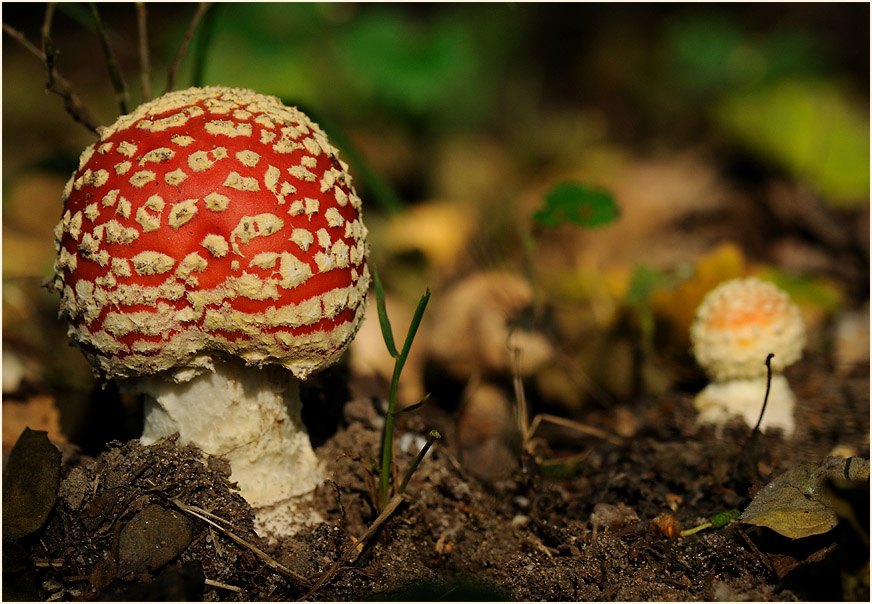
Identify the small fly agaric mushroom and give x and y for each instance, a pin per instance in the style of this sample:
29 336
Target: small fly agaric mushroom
211 253
737 326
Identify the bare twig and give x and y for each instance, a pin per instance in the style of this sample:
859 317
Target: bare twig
183 49
432 438
207 518
361 543
48 48
768 385
144 60
114 72
58 84
520 397
572 425
212 583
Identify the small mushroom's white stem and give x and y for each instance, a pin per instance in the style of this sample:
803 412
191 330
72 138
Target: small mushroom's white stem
721 401
251 417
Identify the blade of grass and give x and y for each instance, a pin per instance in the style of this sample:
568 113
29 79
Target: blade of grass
390 418
384 322
413 329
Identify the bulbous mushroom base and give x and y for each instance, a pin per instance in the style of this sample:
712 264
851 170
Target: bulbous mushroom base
719 402
251 417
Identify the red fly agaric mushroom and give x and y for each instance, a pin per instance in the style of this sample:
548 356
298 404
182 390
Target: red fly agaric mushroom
211 253
737 325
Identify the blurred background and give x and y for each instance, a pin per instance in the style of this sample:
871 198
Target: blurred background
568 180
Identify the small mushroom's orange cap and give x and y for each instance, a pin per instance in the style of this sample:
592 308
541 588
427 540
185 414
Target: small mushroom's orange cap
739 323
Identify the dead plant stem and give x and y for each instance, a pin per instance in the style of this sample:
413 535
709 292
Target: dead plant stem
57 84
207 518
361 543
572 425
48 48
121 95
144 58
233 588
520 397
183 48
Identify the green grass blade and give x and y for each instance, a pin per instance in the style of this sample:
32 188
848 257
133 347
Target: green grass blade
383 320
413 329
417 405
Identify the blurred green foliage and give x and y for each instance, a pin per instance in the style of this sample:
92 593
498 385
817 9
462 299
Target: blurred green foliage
713 55
578 204
435 66
807 290
771 93
811 129
768 81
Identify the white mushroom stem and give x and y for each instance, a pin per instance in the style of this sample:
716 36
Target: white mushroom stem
721 401
251 417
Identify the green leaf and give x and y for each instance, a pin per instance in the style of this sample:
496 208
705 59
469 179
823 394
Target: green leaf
722 519
575 203
383 320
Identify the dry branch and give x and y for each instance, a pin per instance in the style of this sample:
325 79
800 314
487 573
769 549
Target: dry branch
118 84
208 517
144 59
56 83
361 543
183 49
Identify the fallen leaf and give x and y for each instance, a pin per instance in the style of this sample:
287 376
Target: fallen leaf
796 505
30 484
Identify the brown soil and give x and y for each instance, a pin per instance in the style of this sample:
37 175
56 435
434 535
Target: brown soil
580 530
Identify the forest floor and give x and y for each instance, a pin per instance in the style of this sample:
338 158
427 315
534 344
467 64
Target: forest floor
602 524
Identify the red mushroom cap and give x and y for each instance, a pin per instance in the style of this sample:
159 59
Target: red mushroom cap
211 222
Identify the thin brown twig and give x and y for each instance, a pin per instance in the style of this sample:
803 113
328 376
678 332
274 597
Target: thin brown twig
144 59
207 518
183 48
58 84
520 397
48 48
361 543
233 588
121 95
572 425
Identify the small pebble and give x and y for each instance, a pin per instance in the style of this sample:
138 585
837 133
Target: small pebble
520 521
